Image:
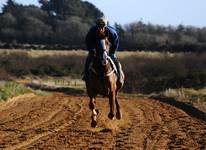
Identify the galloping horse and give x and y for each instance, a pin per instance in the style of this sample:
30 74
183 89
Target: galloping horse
103 80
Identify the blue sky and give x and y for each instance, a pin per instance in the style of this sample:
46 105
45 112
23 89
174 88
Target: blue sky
163 12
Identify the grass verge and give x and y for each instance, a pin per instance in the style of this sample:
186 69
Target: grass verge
11 89
196 98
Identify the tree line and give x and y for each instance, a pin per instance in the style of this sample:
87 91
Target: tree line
149 37
63 24
55 22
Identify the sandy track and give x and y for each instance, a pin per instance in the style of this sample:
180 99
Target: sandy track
62 121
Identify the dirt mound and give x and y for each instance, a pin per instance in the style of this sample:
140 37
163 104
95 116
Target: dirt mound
62 121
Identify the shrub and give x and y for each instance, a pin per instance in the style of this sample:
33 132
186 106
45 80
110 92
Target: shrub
11 89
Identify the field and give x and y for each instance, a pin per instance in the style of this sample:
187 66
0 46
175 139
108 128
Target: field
146 72
45 104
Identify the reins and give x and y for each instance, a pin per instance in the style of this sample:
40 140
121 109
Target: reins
104 45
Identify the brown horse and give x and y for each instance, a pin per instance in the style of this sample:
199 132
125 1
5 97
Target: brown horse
103 80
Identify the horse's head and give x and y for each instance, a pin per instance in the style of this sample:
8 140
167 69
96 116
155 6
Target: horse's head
102 48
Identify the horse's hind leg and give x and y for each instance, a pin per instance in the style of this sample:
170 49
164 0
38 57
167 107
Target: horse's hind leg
118 113
92 104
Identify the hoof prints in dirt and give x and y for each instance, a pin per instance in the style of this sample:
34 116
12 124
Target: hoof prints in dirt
63 122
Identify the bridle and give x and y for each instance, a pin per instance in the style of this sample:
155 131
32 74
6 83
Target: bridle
102 55
103 50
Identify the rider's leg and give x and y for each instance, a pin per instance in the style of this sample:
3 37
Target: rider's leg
116 62
86 66
118 66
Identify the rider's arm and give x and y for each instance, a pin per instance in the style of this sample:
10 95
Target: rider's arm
90 41
114 41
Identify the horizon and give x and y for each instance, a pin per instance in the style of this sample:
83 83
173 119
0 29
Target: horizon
192 15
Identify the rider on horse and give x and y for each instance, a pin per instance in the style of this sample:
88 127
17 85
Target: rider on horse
91 39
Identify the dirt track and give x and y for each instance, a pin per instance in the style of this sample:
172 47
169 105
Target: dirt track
60 121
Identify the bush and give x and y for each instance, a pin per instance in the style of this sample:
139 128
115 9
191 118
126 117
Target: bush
156 73
11 89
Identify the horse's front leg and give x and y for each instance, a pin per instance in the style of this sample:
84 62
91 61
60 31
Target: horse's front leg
92 105
118 113
112 105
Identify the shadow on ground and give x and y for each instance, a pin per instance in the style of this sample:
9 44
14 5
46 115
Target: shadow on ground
189 109
65 90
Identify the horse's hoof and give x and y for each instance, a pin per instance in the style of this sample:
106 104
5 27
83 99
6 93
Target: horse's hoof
111 116
119 115
94 124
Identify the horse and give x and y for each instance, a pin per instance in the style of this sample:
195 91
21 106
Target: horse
103 80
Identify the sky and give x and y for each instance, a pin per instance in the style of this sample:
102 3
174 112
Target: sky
162 12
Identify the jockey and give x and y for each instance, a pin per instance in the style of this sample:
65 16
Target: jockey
91 37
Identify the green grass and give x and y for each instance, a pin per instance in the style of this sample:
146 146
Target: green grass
11 89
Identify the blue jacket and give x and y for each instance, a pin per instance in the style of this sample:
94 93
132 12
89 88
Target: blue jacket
113 38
